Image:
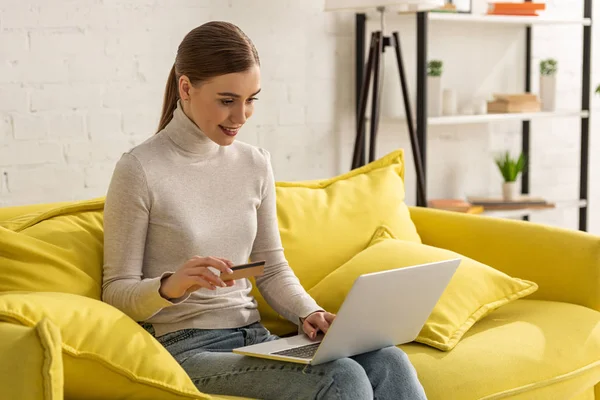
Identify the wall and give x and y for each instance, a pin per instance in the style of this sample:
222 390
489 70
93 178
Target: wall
82 81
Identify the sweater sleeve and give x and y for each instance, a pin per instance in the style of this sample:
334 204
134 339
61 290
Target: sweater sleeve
279 285
126 214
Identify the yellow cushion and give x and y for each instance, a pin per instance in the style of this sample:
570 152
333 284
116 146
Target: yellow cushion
106 354
324 223
58 250
31 363
474 291
528 349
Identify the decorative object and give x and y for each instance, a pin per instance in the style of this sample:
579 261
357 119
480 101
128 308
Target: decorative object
456 6
481 107
548 69
510 169
514 103
467 109
449 103
434 87
372 70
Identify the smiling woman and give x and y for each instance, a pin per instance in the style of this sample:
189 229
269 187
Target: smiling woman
190 202
216 75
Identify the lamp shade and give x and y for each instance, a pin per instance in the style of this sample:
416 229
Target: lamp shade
390 5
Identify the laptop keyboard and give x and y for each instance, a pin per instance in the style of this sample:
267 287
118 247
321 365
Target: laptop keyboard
307 351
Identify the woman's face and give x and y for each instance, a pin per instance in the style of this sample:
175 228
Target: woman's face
220 106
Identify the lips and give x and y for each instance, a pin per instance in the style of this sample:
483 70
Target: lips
229 131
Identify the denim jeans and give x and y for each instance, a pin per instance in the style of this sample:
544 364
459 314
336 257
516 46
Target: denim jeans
205 354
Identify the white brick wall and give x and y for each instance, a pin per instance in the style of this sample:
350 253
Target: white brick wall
80 83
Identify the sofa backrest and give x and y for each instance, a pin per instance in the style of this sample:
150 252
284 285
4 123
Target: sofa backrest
323 224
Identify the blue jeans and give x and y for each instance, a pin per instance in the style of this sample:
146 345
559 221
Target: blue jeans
205 354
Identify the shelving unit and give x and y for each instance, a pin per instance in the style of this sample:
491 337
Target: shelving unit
423 121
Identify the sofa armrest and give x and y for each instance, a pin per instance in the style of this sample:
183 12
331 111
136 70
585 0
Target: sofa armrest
564 263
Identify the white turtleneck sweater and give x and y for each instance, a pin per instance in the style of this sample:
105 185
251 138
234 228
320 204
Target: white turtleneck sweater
180 195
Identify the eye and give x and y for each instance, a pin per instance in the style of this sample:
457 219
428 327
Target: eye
252 100
226 102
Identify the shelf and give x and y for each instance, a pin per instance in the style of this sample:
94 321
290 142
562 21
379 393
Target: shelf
529 211
507 19
487 118
478 119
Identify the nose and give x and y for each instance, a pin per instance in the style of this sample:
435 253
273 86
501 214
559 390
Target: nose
240 115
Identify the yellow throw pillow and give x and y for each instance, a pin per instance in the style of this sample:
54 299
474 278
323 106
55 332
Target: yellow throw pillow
473 292
55 250
31 363
106 354
324 223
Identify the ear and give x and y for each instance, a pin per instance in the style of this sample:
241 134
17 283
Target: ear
184 86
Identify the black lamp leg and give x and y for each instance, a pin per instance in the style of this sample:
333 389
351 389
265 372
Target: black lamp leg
409 119
359 143
375 100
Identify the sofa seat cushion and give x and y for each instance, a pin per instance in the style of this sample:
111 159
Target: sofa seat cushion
528 349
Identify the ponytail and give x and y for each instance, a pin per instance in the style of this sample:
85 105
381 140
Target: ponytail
170 100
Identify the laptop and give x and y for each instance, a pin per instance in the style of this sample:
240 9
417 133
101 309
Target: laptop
381 309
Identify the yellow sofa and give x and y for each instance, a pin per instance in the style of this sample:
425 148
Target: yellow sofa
545 346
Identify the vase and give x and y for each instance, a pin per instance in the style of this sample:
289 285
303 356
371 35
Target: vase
434 96
509 191
449 103
548 92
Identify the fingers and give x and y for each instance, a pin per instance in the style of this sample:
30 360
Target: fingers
317 321
207 275
200 282
310 330
321 322
329 317
218 263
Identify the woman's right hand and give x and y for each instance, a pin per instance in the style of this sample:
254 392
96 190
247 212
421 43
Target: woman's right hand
193 275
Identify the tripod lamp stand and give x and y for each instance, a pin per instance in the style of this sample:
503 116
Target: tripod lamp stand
372 72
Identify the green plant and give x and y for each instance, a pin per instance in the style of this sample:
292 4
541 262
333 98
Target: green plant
509 167
548 66
598 89
434 68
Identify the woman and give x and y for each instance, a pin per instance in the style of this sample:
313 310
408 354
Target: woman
189 203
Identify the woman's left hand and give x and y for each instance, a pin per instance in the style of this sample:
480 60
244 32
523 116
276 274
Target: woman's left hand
317 321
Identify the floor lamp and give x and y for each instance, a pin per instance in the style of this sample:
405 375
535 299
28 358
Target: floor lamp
372 74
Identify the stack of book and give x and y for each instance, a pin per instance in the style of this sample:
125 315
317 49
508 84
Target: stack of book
526 8
521 202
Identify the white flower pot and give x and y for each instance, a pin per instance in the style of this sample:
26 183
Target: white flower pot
509 191
434 96
548 92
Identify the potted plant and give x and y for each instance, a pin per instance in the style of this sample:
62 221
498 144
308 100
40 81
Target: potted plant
434 88
548 69
510 168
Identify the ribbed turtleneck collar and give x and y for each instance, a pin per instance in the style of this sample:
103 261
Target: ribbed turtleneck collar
186 134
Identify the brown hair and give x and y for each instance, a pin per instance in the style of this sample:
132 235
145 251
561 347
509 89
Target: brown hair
212 49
